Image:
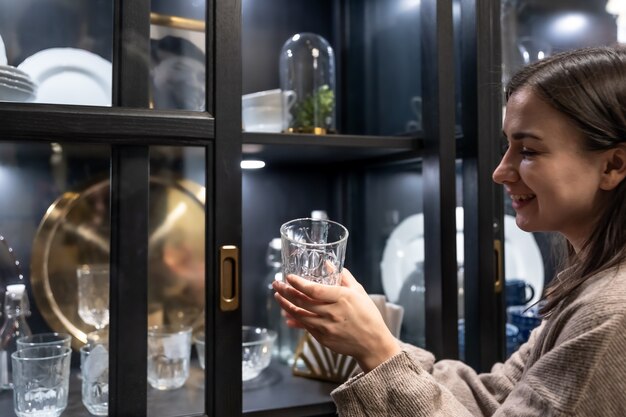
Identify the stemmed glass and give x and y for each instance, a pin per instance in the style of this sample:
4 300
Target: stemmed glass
93 298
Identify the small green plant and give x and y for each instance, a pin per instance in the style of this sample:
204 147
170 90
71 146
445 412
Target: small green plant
315 110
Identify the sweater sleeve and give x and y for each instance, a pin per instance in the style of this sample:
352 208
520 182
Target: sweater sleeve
574 365
413 384
582 372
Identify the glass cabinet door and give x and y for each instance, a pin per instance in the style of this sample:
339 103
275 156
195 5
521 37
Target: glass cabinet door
127 186
387 172
60 52
54 51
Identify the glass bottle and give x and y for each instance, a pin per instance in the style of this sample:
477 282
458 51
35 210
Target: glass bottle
16 308
307 80
287 338
272 315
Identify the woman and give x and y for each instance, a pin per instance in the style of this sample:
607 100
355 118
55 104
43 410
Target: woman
564 171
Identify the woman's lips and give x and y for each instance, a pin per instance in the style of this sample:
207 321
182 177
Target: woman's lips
521 200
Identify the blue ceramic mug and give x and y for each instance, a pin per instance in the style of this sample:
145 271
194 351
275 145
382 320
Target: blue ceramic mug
518 292
525 319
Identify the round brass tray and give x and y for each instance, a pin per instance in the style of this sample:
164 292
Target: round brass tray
76 231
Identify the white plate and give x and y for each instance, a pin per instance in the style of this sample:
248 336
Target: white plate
12 72
3 53
405 249
13 93
70 76
16 82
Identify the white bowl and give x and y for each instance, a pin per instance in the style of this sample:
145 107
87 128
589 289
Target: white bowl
262 119
269 98
267 111
256 350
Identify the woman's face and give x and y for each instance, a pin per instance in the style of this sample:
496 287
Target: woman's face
554 184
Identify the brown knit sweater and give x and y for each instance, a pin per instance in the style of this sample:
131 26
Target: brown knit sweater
573 365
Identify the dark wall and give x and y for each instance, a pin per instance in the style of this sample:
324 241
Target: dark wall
377 53
266 26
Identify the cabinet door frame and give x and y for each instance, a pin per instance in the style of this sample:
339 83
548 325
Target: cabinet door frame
439 171
130 129
485 315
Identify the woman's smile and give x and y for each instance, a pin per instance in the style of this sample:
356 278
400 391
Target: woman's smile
520 201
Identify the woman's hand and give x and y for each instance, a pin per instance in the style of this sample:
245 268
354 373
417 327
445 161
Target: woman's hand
343 318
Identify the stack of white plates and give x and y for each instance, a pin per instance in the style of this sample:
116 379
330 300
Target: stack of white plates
16 85
3 53
70 76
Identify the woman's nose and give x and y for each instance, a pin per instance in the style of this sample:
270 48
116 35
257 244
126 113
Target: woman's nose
505 172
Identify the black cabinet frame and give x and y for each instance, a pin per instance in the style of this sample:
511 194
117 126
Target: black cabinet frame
481 98
131 128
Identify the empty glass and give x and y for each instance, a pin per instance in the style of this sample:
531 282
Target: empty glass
314 249
169 350
256 350
41 377
94 366
93 294
44 339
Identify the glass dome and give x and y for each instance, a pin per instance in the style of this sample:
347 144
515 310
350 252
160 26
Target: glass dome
307 79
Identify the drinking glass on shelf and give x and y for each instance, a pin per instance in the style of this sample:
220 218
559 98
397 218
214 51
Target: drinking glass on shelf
169 350
93 296
44 339
41 377
94 365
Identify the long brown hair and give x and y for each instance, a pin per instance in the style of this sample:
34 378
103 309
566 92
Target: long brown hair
589 87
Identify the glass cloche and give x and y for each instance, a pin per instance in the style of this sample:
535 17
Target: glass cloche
307 79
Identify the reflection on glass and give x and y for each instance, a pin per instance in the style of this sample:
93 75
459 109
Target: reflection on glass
531 32
56 51
533 49
177 50
176 268
93 298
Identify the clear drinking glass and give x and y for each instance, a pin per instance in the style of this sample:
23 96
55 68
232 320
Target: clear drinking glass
44 339
94 366
314 249
41 377
256 350
93 294
169 351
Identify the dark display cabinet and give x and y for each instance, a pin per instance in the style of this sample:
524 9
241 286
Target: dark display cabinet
151 184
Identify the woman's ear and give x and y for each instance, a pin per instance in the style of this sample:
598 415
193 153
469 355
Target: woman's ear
615 168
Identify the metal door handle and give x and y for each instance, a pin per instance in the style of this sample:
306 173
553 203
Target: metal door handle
497 251
229 278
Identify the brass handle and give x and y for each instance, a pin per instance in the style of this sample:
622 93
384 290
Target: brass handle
499 283
229 278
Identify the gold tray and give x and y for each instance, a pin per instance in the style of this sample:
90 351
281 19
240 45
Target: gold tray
76 230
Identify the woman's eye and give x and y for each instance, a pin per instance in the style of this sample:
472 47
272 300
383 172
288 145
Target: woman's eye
527 152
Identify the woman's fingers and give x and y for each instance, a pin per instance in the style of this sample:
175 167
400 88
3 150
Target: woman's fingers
297 297
313 290
294 312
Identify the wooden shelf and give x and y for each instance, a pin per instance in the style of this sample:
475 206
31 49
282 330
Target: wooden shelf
298 149
274 393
